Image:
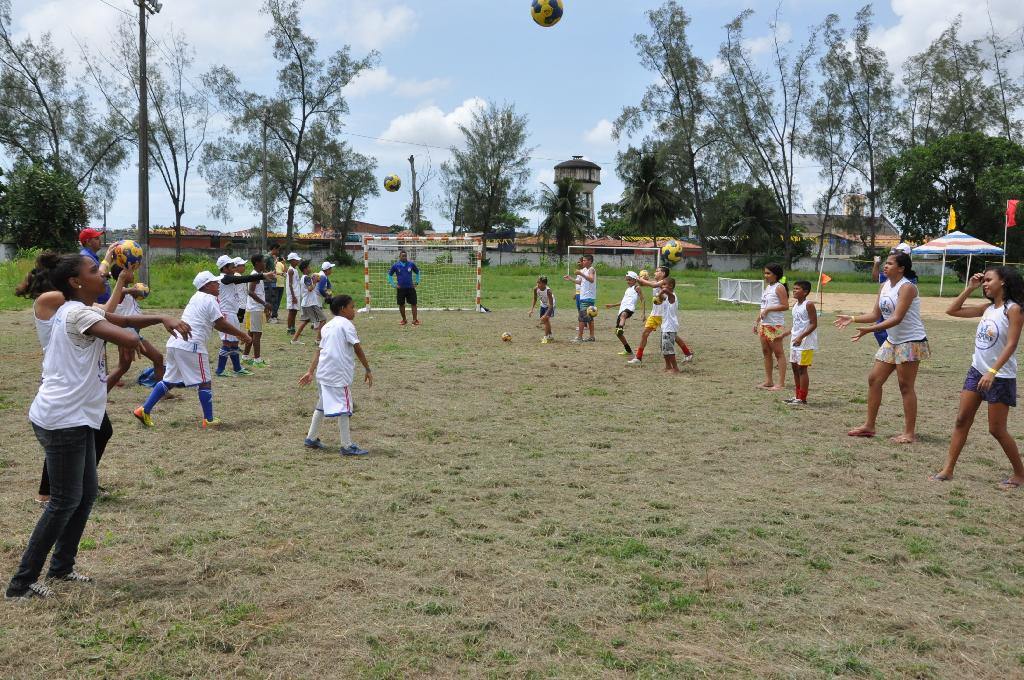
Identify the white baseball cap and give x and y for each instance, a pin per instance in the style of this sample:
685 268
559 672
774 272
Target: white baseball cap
631 274
205 277
238 262
293 257
904 248
326 265
223 261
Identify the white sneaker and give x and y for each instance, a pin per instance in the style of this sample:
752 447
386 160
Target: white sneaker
576 341
297 342
634 362
35 590
687 358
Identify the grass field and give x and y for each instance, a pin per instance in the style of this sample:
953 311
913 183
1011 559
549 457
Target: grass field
529 511
504 287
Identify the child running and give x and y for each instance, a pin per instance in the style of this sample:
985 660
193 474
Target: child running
333 365
259 310
311 302
187 360
802 342
542 293
669 323
769 325
992 376
627 308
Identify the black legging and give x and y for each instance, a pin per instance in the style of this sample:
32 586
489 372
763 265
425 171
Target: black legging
103 436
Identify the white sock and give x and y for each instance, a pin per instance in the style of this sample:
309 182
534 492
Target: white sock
346 435
314 427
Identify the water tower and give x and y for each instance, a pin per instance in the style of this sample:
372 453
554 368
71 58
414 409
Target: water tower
587 176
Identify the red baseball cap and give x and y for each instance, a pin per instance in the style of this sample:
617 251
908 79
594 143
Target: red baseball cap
87 234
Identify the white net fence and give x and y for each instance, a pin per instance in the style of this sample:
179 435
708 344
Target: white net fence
449 271
741 291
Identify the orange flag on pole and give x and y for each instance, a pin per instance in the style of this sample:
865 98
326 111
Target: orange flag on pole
825 278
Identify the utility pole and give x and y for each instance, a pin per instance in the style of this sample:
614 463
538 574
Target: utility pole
152 7
263 189
415 196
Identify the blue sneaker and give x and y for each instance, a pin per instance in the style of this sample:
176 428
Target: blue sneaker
354 450
314 444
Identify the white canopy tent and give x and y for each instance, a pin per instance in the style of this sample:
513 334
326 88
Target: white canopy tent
956 243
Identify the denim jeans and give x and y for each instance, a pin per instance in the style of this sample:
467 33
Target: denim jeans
71 463
103 436
274 299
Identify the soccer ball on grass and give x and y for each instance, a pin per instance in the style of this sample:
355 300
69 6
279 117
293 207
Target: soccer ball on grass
506 337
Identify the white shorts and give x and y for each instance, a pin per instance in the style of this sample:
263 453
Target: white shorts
334 401
292 305
186 368
256 320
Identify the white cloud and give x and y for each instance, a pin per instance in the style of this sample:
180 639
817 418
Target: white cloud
766 43
370 28
922 21
371 82
430 125
421 88
600 134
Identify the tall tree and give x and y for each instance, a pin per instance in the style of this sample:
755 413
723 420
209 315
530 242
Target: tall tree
565 214
762 113
745 219
1007 89
858 84
647 198
305 113
492 167
46 119
678 104
947 90
973 172
41 208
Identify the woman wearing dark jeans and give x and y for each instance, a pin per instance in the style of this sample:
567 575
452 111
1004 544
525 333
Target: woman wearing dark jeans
65 414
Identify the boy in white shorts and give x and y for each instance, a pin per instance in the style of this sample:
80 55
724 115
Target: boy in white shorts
259 310
293 290
669 323
334 366
188 363
232 287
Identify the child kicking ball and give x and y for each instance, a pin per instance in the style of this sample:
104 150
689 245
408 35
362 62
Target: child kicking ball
334 367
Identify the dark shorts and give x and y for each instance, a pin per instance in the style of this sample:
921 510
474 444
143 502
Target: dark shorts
1003 390
584 304
544 310
620 321
406 296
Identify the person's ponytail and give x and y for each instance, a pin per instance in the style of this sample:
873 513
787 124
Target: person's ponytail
37 281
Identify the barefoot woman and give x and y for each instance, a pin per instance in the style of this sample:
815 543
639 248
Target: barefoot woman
992 376
899 307
769 325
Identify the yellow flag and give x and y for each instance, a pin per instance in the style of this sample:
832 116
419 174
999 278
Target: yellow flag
952 220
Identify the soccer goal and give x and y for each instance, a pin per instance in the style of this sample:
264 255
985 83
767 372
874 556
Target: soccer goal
636 259
451 271
741 291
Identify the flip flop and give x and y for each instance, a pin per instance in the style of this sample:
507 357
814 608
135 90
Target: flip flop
1008 485
860 432
939 478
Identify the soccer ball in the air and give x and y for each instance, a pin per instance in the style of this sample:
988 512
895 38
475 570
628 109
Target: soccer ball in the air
143 289
672 251
591 311
127 253
546 13
506 337
392 183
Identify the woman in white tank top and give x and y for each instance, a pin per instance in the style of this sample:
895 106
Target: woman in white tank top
992 376
899 307
769 326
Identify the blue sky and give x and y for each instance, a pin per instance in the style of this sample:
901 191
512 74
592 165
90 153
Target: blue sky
439 61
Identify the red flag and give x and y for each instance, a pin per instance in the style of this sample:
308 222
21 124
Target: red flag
1011 213
825 278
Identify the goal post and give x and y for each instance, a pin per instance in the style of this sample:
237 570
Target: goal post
740 291
636 259
451 271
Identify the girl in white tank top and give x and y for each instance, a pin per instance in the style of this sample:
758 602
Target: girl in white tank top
902 352
768 326
992 376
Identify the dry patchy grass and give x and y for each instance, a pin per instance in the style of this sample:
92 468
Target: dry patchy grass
529 511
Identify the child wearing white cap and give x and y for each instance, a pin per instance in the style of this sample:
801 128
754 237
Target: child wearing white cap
232 286
316 288
627 308
292 290
188 363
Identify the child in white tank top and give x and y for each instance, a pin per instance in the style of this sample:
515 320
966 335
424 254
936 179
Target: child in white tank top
803 341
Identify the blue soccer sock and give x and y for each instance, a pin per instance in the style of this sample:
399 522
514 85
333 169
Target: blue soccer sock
156 395
206 401
222 358
236 360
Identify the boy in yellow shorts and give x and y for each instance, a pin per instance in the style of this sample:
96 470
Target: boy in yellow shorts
803 341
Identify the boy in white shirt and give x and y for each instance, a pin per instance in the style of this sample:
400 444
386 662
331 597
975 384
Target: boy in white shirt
259 310
333 365
188 363
627 308
669 323
542 293
587 276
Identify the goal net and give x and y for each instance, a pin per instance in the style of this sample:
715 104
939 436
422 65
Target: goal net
633 258
450 271
741 291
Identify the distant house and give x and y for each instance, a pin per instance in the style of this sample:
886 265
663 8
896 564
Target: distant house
242 240
843 235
